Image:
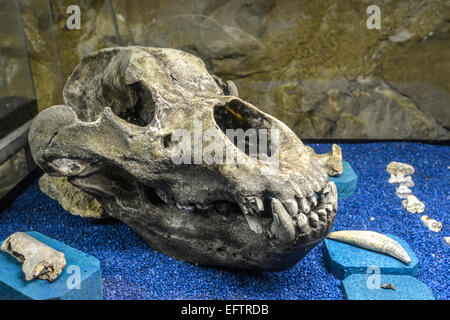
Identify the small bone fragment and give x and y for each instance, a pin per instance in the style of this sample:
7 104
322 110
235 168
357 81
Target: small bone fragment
403 192
387 286
402 180
39 260
431 224
372 240
413 205
447 239
398 168
331 161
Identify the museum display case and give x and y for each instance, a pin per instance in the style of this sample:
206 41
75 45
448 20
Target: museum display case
240 150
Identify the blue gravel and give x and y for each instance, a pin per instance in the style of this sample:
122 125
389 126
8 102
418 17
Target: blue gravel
131 270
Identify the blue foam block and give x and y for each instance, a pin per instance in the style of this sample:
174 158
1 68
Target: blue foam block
346 182
361 287
344 259
14 287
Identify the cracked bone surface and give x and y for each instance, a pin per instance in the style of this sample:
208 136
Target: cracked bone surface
114 138
39 260
331 161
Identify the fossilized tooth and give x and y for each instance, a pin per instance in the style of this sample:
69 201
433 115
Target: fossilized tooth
373 241
302 223
331 161
403 191
313 219
304 205
399 168
322 213
39 260
413 205
402 180
431 224
292 207
282 226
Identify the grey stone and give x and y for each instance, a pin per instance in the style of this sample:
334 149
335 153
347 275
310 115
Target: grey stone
71 198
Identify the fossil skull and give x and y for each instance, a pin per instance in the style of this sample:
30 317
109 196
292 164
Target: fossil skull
113 139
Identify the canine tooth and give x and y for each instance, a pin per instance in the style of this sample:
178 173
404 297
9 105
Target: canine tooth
302 223
329 208
373 241
282 226
304 205
322 213
326 189
313 219
292 207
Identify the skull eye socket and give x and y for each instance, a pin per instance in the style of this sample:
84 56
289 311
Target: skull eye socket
236 119
141 112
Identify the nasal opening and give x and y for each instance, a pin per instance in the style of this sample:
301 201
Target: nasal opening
246 128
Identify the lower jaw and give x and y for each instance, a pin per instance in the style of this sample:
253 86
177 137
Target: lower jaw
214 240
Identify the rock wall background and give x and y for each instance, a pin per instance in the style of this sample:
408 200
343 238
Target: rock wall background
312 64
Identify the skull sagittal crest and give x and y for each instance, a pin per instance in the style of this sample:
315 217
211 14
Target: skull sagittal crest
115 136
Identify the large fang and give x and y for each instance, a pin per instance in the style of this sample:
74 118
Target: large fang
282 226
373 241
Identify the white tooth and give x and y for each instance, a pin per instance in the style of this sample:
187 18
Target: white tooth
292 207
313 201
322 214
184 207
316 186
282 226
302 223
254 204
251 207
373 241
304 205
333 198
313 219
329 207
298 192
326 190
